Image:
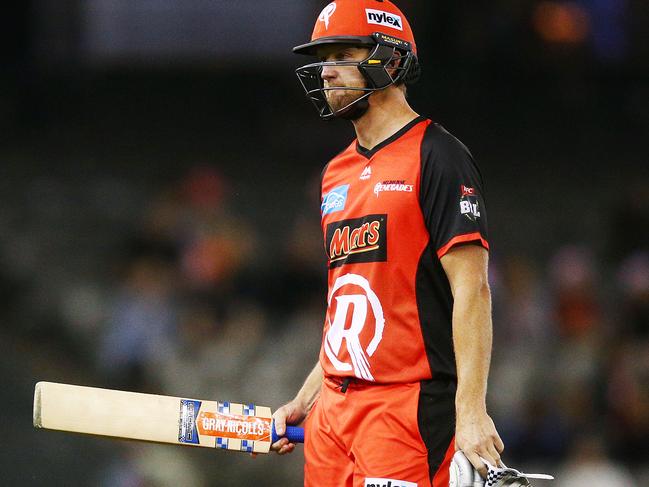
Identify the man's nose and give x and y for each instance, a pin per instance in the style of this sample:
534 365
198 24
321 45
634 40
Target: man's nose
328 73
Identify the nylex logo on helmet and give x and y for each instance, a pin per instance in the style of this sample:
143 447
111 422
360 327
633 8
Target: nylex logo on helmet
357 240
385 19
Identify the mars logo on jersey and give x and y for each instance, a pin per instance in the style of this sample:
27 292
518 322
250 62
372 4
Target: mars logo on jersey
358 240
352 324
379 17
469 204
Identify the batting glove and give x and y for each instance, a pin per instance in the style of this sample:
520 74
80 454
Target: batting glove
463 474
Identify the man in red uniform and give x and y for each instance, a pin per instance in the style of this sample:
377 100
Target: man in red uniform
402 376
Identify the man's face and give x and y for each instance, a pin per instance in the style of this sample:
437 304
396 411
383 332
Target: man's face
346 76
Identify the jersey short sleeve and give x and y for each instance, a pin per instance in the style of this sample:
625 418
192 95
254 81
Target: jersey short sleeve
451 192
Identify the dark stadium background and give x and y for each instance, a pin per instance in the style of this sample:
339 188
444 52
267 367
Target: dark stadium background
159 220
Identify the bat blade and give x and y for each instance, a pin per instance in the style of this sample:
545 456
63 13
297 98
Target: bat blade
153 418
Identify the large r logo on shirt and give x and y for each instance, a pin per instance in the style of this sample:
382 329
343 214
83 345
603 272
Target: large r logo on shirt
337 333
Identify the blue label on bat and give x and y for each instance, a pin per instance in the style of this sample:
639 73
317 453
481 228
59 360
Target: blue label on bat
187 432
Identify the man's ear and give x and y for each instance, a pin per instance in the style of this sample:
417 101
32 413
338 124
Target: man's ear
393 65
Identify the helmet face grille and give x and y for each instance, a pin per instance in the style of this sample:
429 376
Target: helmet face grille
384 67
310 77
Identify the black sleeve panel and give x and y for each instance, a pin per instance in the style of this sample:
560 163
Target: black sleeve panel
451 192
322 175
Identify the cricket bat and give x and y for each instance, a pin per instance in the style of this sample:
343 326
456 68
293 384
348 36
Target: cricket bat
160 419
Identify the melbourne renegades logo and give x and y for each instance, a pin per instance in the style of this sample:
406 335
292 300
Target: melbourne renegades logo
348 302
357 240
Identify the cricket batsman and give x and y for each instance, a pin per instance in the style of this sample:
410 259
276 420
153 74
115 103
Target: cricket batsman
401 380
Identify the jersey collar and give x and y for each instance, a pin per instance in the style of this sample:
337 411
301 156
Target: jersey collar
368 153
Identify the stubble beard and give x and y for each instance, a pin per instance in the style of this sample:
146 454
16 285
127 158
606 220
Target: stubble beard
341 98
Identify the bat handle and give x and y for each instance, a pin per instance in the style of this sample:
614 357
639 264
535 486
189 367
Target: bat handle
295 434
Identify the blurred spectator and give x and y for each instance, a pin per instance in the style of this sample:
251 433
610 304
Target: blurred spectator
212 355
524 317
627 392
575 284
588 466
141 324
629 228
633 279
152 466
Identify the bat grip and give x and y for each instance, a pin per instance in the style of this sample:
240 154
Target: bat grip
295 434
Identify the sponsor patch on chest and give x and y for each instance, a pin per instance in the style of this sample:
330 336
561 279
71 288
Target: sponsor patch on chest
357 240
334 200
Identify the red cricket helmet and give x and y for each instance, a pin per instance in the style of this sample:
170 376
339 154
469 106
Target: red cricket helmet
377 24
355 21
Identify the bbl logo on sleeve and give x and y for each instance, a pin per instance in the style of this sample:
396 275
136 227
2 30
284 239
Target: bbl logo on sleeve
469 204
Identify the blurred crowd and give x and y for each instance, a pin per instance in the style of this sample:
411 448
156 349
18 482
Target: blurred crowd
570 377
194 302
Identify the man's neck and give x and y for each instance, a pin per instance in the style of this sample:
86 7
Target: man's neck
388 113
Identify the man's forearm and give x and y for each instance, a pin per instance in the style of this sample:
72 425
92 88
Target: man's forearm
472 339
310 389
475 432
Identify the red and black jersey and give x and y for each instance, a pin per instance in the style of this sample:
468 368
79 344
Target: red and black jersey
388 215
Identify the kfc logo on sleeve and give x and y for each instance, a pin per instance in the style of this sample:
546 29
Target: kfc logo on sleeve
466 191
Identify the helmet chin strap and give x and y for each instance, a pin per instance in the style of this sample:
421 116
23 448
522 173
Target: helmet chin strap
356 110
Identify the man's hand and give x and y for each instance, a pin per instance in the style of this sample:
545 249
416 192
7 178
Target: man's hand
476 436
296 411
292 413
